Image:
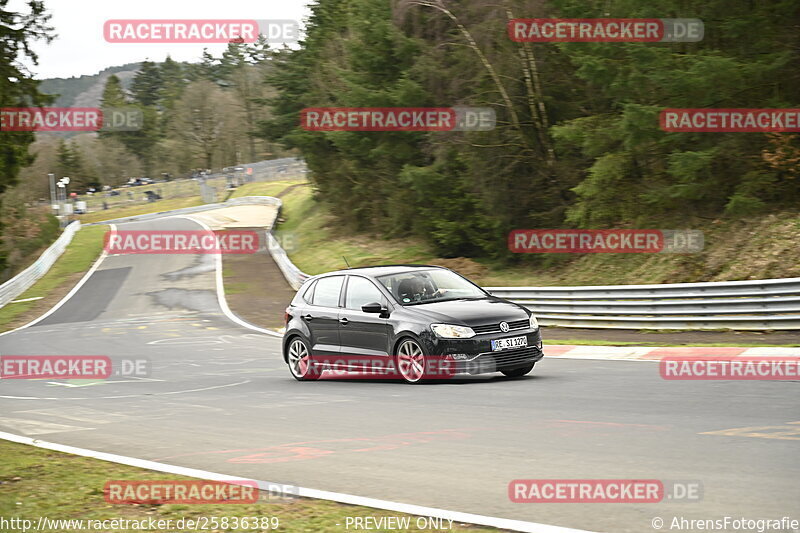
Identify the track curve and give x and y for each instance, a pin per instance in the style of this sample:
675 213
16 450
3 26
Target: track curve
220 398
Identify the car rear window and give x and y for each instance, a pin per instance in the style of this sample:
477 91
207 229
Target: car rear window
305 293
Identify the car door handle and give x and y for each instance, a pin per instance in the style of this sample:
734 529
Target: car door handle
343 321
308 318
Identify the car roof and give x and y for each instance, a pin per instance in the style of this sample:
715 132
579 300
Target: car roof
381 270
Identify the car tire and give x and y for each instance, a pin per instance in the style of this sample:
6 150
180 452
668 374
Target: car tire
298 357
518 372
410 361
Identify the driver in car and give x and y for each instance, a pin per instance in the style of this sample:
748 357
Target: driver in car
417 289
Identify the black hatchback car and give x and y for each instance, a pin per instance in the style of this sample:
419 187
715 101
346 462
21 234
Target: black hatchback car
415 322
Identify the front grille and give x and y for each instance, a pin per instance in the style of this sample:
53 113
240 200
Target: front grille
495 328
508 358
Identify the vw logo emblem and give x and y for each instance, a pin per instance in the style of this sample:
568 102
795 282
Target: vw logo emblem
504 327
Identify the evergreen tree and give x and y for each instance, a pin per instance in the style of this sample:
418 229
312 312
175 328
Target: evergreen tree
206 69
113 93
173 81
18 30
147 84
69 163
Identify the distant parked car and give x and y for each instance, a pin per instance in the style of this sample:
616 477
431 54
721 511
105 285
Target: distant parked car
152 196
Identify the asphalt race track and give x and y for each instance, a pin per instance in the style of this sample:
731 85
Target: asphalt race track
220 398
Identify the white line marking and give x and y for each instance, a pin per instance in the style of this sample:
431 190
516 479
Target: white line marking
27 300
70 294
77 413
130 395
596 358
38 427
468 518
94 383
223 304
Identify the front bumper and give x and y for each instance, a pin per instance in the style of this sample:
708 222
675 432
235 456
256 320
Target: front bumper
475 355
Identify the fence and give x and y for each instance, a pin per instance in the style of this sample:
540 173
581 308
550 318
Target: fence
210 188
772 304
740 305
25 279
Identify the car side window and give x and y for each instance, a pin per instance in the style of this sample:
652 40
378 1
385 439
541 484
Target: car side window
326 291
361 291
308 291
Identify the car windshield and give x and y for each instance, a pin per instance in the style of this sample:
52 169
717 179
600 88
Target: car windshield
426 286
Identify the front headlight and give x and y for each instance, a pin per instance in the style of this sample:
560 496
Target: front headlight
534 322
448 331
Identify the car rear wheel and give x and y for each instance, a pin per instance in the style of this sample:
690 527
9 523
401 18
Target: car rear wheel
299 359
518 372
410 361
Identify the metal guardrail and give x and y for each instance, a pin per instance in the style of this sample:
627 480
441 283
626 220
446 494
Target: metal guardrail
294 276
739 305
769 304
25 279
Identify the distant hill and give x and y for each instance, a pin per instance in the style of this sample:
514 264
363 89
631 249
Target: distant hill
86 91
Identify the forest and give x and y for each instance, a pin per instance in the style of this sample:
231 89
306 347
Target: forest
577 143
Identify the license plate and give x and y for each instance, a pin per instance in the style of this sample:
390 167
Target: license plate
507 344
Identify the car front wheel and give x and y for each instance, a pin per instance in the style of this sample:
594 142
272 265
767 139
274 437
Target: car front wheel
299 359
411 361
518 372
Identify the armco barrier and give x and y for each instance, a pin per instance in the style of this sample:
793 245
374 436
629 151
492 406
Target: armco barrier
294 276
25 279
741 305
772 304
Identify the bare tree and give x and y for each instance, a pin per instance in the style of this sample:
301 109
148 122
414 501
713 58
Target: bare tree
201 117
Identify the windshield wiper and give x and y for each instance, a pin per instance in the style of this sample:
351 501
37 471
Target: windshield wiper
435 300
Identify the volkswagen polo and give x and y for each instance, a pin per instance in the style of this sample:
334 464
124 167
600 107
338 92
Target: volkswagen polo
415 321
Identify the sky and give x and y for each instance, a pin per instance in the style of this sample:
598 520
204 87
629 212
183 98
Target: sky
80 47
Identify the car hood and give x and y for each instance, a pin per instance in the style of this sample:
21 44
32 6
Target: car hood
470 312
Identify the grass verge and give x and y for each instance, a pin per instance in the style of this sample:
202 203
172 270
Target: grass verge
266 188
749 248
321 246
140 209
85 248
321 243
35 482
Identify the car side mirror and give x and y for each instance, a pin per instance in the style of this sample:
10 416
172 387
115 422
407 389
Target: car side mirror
373 307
